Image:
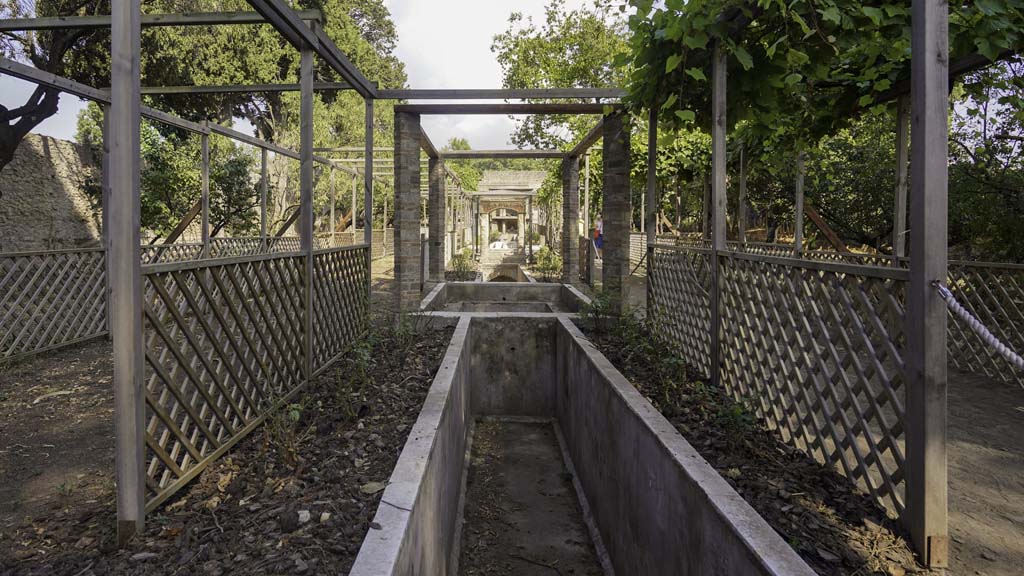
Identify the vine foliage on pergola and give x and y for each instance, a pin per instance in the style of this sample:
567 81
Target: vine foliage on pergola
808 65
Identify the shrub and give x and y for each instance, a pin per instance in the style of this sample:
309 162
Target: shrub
463 265
548 263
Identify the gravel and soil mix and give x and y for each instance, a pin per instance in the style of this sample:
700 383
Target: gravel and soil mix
295 497
56 433
834 526
521 514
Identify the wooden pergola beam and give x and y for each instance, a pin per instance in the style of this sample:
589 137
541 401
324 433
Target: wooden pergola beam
525 108
301 36
504 94
825 229
148 20
589 140
288 222
43 78
242 88
956 68
427 145
467 154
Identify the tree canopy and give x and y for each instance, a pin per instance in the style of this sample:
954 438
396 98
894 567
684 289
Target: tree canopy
808 66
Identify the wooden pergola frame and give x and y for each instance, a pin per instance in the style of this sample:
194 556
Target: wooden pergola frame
925 331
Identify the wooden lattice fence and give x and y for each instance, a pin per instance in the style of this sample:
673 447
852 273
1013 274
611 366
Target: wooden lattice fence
237 246
157 253
815 349
225 344
341 278
815 346
679 307
51 299
993 293
812 348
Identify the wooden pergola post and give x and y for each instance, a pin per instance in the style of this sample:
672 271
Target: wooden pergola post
126 268
798 207
204 140
436 217
899 213
587 226
925 515
334 200
741 206
529 232
353 206
367 179
476 226
718 203
263 200
306 222
650 205
105 205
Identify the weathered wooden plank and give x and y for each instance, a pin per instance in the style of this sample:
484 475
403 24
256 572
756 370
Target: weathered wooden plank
718 200
527 108
306 222
463 154
899 212
825 229
125 268
927 490
503 94
147 20
242 88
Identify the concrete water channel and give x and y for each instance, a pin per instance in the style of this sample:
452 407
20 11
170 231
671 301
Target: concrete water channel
533 455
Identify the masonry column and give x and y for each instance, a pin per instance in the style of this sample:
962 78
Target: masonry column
436 216
617 209
570 219
408 267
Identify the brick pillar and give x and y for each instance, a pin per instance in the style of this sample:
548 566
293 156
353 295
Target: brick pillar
570 220
408 268
617 210
436 216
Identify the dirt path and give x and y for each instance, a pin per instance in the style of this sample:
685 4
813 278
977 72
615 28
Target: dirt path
522 516
986 476
56 433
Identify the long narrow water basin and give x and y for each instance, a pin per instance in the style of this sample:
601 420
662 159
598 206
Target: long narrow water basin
654 504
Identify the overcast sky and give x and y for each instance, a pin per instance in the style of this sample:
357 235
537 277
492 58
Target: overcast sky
444 44
447 44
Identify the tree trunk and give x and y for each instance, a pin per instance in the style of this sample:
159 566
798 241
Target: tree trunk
40 106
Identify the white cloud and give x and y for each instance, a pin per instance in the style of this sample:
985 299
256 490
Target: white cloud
447 44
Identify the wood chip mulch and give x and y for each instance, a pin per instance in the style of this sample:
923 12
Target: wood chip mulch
295 497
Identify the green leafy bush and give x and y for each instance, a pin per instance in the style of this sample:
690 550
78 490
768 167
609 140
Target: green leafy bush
548 263
463 267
